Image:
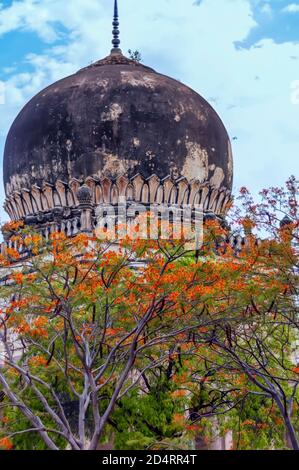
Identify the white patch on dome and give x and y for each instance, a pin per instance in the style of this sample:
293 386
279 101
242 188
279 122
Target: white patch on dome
136 142
17 182
103 83
114 167
217 178
143 80
177 118
196 166
115 110
69 145
200 115
150 155
180 109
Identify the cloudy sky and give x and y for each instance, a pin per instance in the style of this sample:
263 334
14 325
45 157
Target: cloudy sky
241 55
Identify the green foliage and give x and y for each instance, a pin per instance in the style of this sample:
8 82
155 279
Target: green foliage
15 422
143 419
135 55
256 424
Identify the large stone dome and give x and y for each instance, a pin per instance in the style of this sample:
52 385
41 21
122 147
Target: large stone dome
122 129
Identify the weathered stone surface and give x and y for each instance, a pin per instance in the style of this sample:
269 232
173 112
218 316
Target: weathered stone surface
114 118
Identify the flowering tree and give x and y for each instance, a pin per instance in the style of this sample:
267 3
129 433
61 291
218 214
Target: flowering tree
80 327
92 328
257 348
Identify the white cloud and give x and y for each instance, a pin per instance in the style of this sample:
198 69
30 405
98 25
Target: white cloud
267 9
292 8
27 16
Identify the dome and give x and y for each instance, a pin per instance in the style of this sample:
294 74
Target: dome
84 195
124 130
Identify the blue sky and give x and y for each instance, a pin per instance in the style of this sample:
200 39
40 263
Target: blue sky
241 55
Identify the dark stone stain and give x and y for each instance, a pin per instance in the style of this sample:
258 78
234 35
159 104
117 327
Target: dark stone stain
63 132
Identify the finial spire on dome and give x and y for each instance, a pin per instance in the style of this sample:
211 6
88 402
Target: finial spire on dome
115 41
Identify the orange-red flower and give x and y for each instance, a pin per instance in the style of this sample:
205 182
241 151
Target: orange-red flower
38 361
178 419
6 444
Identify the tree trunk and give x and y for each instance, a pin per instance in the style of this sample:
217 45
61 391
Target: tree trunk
291 434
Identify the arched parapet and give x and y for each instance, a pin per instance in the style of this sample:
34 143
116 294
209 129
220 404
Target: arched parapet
122 184
36 196
47 191
153 184
60 199
74 185
114 194
26 196
145 194
213 199
137 182
10 209
16 205
226 203
91 183
194 190
173 196
61 192
168 184
183 191
205 200
98 194
130 192
159 199
106 189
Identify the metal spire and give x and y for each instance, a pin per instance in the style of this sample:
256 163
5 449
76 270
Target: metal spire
115 41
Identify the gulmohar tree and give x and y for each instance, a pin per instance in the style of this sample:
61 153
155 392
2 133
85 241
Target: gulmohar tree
97 350
261 343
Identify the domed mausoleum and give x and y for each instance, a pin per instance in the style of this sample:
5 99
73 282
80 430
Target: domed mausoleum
115 130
